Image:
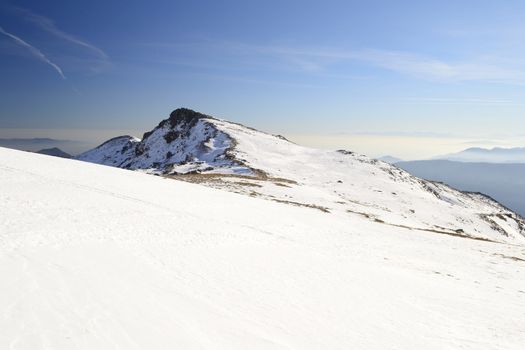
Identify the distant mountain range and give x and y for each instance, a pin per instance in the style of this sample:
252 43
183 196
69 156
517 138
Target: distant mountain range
494 155
39 143
29 142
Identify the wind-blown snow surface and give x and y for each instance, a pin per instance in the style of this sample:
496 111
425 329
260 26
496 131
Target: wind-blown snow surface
94 257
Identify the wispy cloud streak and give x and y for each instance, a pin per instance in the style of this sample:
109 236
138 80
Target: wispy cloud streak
50 26
478 68
34 51
406 63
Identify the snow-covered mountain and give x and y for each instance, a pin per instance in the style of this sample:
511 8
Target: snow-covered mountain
195 147
95 257
185 142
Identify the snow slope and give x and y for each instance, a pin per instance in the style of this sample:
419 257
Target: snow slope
196 147
94 257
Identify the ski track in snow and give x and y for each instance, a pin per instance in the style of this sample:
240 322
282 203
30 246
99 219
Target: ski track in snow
93 257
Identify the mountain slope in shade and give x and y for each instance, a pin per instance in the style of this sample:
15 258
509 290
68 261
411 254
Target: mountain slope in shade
103 258
483 155
503 182
55 151
198 148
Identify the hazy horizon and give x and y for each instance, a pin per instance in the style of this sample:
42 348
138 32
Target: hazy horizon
373 144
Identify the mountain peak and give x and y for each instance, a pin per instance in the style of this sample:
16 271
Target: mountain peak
242 159
186 142
186 115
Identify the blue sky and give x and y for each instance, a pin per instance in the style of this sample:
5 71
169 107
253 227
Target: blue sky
378 76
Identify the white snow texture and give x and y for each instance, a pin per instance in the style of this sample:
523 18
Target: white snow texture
333 251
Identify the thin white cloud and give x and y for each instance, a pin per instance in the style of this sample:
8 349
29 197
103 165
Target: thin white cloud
436 69
49 26
419 66
320 61
489 101
34 51
481 68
